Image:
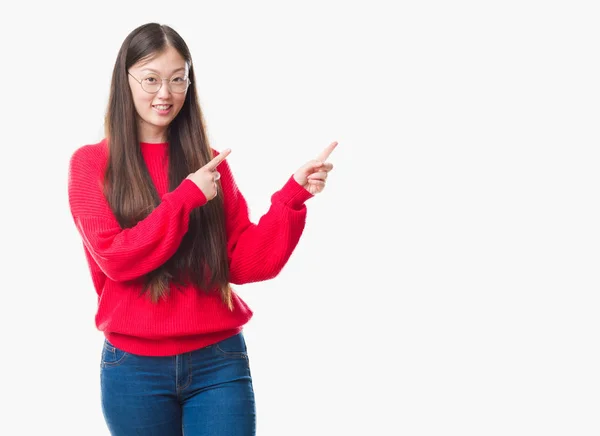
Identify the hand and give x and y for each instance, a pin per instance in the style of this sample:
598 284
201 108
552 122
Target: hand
206 177
312 175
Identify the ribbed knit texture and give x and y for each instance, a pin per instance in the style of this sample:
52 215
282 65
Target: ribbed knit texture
119 258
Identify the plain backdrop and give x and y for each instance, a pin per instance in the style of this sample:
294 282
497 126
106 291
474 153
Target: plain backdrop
447 280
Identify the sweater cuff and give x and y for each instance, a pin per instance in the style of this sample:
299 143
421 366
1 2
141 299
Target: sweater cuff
292 194
189 194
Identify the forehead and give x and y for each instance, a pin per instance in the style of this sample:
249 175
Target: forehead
166 62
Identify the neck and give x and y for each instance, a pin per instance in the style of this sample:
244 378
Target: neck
151 134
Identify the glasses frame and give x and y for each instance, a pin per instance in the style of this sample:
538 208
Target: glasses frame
189 82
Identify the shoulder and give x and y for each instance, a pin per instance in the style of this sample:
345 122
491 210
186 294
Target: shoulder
89 156
87 163
97 151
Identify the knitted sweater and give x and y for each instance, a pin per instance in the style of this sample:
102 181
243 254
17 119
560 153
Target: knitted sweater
189 318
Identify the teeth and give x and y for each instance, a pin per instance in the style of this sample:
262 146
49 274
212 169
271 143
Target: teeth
162 107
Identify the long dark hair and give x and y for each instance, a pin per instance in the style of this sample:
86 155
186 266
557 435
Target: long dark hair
201 258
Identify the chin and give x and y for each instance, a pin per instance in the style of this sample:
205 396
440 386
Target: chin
162 123
159 121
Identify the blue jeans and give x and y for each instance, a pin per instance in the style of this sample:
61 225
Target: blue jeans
207 392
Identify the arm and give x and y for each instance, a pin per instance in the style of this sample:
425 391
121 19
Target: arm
126 254
259 251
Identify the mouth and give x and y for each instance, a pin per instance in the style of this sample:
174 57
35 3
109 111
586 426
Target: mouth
162 108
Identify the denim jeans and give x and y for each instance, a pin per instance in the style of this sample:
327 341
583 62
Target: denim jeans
207 392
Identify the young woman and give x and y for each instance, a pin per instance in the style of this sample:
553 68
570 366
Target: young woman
165 232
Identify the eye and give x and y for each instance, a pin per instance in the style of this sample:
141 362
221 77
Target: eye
178 79
150 80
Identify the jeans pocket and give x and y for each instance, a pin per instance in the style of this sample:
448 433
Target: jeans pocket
111 355
233 347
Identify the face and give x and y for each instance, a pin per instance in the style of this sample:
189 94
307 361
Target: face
157 110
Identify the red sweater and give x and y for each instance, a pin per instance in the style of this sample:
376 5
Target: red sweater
192 318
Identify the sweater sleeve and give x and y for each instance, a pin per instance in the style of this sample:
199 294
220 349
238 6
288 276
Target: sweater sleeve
258 252
126 254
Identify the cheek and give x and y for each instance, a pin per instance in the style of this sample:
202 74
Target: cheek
142 100
179 100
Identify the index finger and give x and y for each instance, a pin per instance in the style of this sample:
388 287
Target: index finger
324 155
213 164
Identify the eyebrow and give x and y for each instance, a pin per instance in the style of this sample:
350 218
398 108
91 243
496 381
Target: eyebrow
157 72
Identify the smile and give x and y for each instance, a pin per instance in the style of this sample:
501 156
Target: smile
162 109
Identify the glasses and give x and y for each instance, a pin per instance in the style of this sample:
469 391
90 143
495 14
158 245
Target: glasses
153 82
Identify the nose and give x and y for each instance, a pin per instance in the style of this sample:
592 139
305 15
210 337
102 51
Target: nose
164 91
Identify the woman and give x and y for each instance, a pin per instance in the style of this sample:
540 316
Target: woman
166 231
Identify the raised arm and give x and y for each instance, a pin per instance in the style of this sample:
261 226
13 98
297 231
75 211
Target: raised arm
259 251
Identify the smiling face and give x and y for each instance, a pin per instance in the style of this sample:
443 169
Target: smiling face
156 110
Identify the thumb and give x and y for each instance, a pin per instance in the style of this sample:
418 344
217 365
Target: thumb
309 167
305 170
